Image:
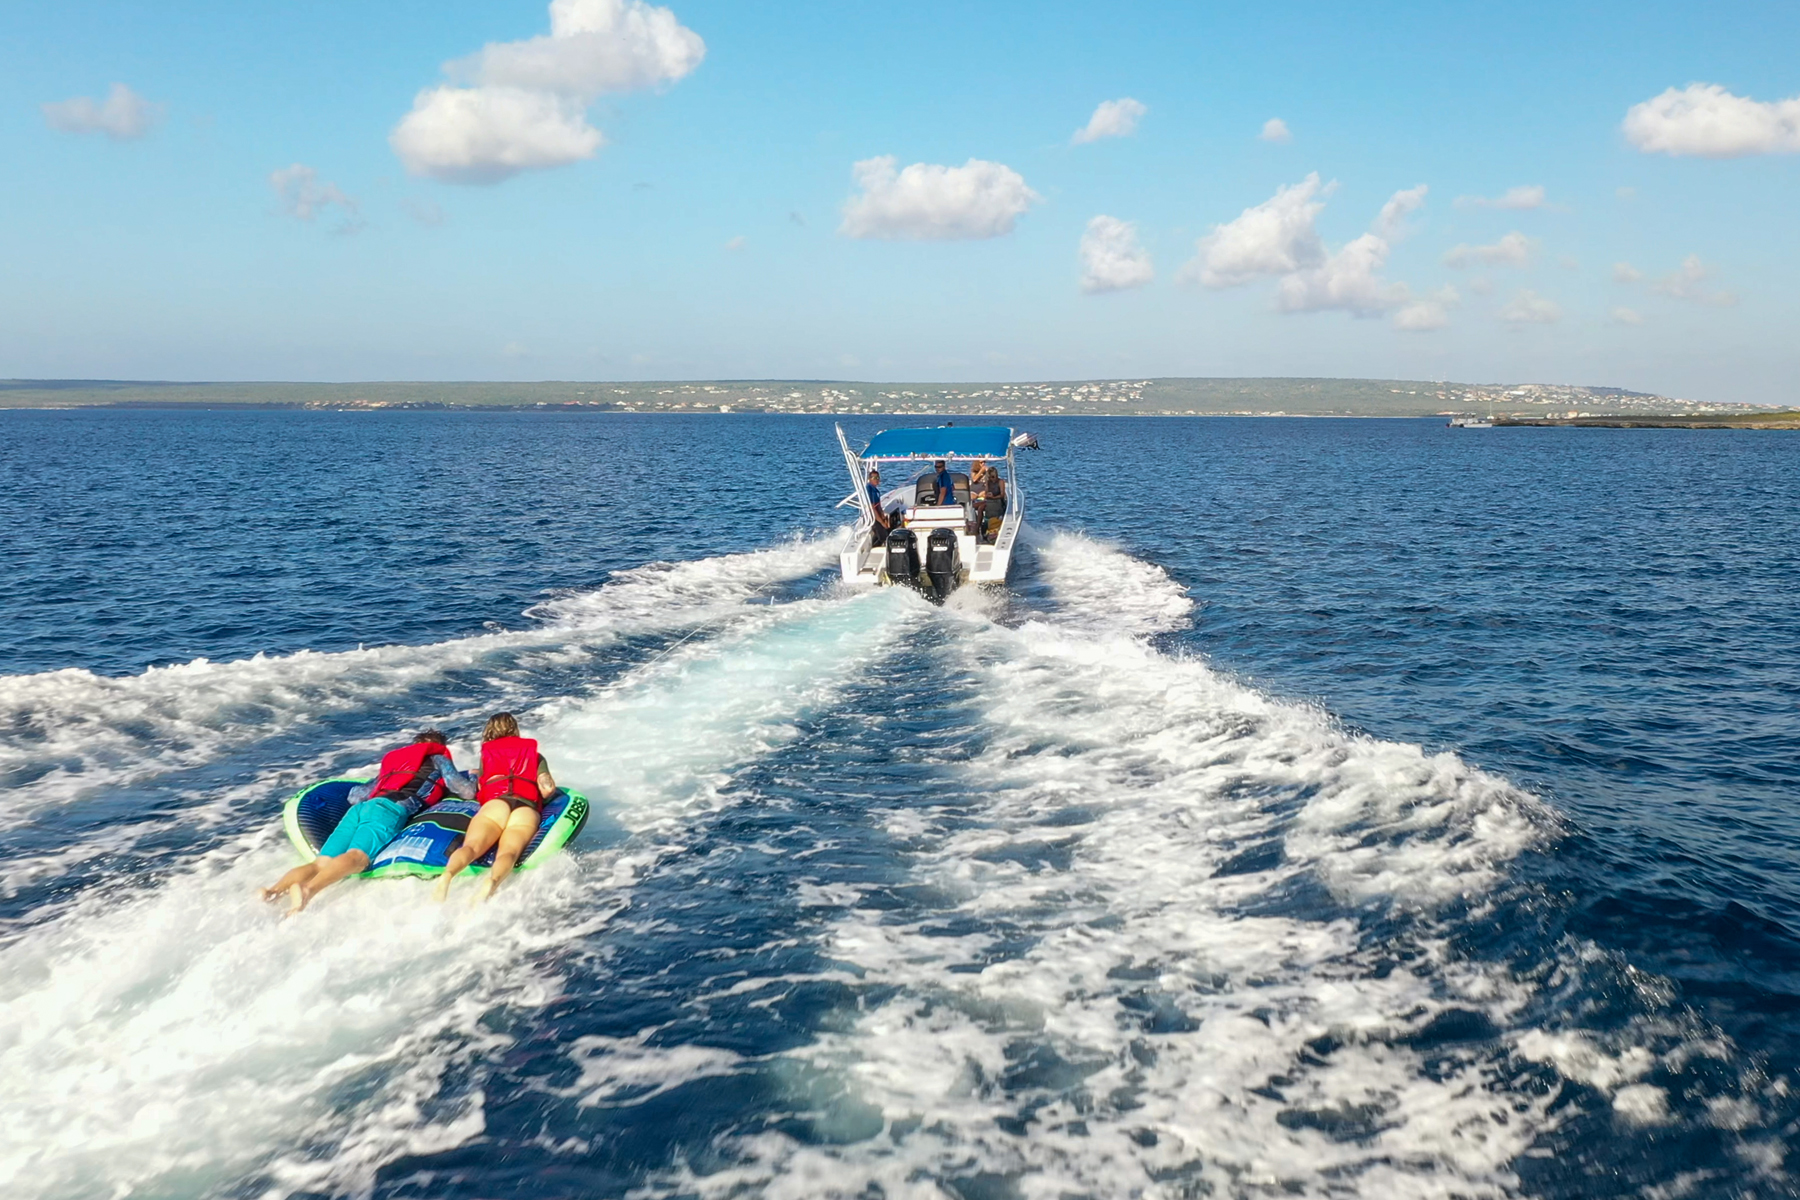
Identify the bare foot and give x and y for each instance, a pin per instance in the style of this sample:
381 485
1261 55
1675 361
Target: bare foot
270 895
441 892
483 889
297 899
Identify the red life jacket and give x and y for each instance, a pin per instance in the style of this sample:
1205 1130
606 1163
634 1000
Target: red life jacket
403 773
509 767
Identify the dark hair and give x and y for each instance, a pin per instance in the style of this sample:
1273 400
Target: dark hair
435 736
500 725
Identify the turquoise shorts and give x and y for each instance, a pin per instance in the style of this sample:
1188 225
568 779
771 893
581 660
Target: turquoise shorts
367 827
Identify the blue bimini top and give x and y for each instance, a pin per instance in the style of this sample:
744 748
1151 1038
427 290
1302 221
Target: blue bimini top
956 441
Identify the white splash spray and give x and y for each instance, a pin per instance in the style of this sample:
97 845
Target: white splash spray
66 735
1175 1023
181 1039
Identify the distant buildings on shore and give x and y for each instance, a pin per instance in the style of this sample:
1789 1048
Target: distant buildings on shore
1121 397
1127 397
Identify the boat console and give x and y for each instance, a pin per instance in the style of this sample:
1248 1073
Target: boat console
937 516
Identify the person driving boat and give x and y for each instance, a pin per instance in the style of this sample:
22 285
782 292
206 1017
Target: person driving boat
944 482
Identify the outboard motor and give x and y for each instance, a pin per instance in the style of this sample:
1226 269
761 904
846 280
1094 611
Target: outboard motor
903 556
943 561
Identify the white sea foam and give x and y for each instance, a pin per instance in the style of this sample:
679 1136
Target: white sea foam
649 592
662 742
161 1045
1642 1104
68 734
1130 1006
1577 1058
178 1039
1102 591
1150 960
631 1070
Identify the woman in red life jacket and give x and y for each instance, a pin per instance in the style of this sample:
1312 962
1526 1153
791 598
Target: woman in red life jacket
411 779
514 783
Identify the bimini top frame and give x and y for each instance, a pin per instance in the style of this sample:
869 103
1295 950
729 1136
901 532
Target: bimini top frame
993 442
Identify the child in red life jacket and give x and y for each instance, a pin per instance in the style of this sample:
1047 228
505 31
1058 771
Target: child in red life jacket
515 782
411 778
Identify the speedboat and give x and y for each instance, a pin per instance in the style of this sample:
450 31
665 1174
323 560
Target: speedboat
933 542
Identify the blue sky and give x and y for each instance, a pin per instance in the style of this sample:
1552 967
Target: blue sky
725 230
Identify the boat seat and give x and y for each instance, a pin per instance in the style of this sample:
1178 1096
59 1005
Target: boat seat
925 491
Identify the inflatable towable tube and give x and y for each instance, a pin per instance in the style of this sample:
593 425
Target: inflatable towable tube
424 844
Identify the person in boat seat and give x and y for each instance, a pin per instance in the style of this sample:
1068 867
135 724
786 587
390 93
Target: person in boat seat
878 535
944 482
988 495
410 780
514 783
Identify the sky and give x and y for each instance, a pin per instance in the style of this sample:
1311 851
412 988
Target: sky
1597 194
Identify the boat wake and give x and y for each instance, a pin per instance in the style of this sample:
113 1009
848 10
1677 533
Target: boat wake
1026 902
1190 939
177 1040
72 734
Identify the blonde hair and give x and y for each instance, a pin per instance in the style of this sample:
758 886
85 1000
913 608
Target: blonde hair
500 725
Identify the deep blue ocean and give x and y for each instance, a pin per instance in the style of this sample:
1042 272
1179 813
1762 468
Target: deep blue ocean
1327 808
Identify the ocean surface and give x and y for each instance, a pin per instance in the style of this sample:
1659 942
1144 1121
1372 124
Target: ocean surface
1327 808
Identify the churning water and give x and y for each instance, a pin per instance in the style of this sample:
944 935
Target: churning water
1327 809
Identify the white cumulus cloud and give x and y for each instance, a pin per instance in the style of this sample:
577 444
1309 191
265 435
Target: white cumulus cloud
1528 308
1349 280
486 134
1112 259
593 47
1522 197
1627 316
1275 130
1279 237
1272 238
1513 250
304 197
1704 119
929 202
122 116
1624 272
1113 118
1431 312
518 106
1391 222
1687 281
1421 316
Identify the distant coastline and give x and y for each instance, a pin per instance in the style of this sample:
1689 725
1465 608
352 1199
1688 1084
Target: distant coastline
1271 397
1773 419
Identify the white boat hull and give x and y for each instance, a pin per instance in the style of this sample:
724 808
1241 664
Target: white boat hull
864 564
